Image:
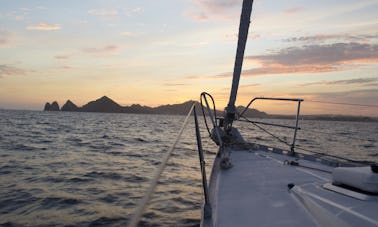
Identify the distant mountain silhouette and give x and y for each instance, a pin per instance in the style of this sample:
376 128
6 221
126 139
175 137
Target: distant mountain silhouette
69 106
103 105
52 107
47 107
251 112
107 105
138 109
180 109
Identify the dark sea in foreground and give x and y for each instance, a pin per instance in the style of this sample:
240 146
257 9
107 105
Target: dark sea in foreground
91 169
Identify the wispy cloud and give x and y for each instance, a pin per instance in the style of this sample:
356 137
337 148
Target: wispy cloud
174 84
4 38
44 27
204 10
250 36
360 96
6 70
249 85
330 54
134 11
294 10
344 82
105 49
103 12
128 34
325 37
62 57
311 59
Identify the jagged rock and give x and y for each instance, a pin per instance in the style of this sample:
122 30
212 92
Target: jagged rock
47 107
104 104
54 106
251 112
69 106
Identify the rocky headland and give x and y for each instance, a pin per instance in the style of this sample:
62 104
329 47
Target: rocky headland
107 105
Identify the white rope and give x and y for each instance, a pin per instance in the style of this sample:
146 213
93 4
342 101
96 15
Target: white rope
143 203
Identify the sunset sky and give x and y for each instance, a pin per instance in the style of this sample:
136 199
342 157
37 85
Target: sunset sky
169 51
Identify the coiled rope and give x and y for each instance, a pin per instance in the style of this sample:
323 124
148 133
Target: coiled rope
154 181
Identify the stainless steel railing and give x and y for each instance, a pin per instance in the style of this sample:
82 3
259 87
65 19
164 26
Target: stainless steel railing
296 128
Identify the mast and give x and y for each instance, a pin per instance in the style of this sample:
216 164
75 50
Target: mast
230 110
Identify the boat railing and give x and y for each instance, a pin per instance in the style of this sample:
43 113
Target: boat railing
241 117
207 210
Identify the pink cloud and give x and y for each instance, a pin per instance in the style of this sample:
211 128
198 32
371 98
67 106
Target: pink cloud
6 70
44 27
103 12
204 10
311 59
61 57
293 10
105 49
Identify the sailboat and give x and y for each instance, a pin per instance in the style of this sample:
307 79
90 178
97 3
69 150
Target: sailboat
256 185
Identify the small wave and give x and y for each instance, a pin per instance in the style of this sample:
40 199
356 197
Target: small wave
10 224
368 145
116 153
135 179
106 221
79 180
138 139
112 176
117 144
109 198
15 200
22 147
60 203
51 179
188 222
184 201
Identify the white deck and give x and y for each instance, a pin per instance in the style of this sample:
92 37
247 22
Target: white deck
254 192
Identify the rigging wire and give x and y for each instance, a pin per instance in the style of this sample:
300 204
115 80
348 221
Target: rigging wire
266 131
143 203
332 133
342 103
333 156
305 149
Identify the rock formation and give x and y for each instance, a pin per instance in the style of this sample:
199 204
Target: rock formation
69 106
47 107
51 107
104 105
54 106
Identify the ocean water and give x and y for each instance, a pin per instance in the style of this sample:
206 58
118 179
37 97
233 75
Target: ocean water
91 169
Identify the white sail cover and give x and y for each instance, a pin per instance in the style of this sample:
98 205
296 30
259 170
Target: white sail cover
362 178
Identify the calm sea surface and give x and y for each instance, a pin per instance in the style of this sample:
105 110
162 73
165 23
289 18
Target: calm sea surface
91 169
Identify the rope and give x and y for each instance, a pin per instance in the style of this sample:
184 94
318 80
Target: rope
143 203
342 103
